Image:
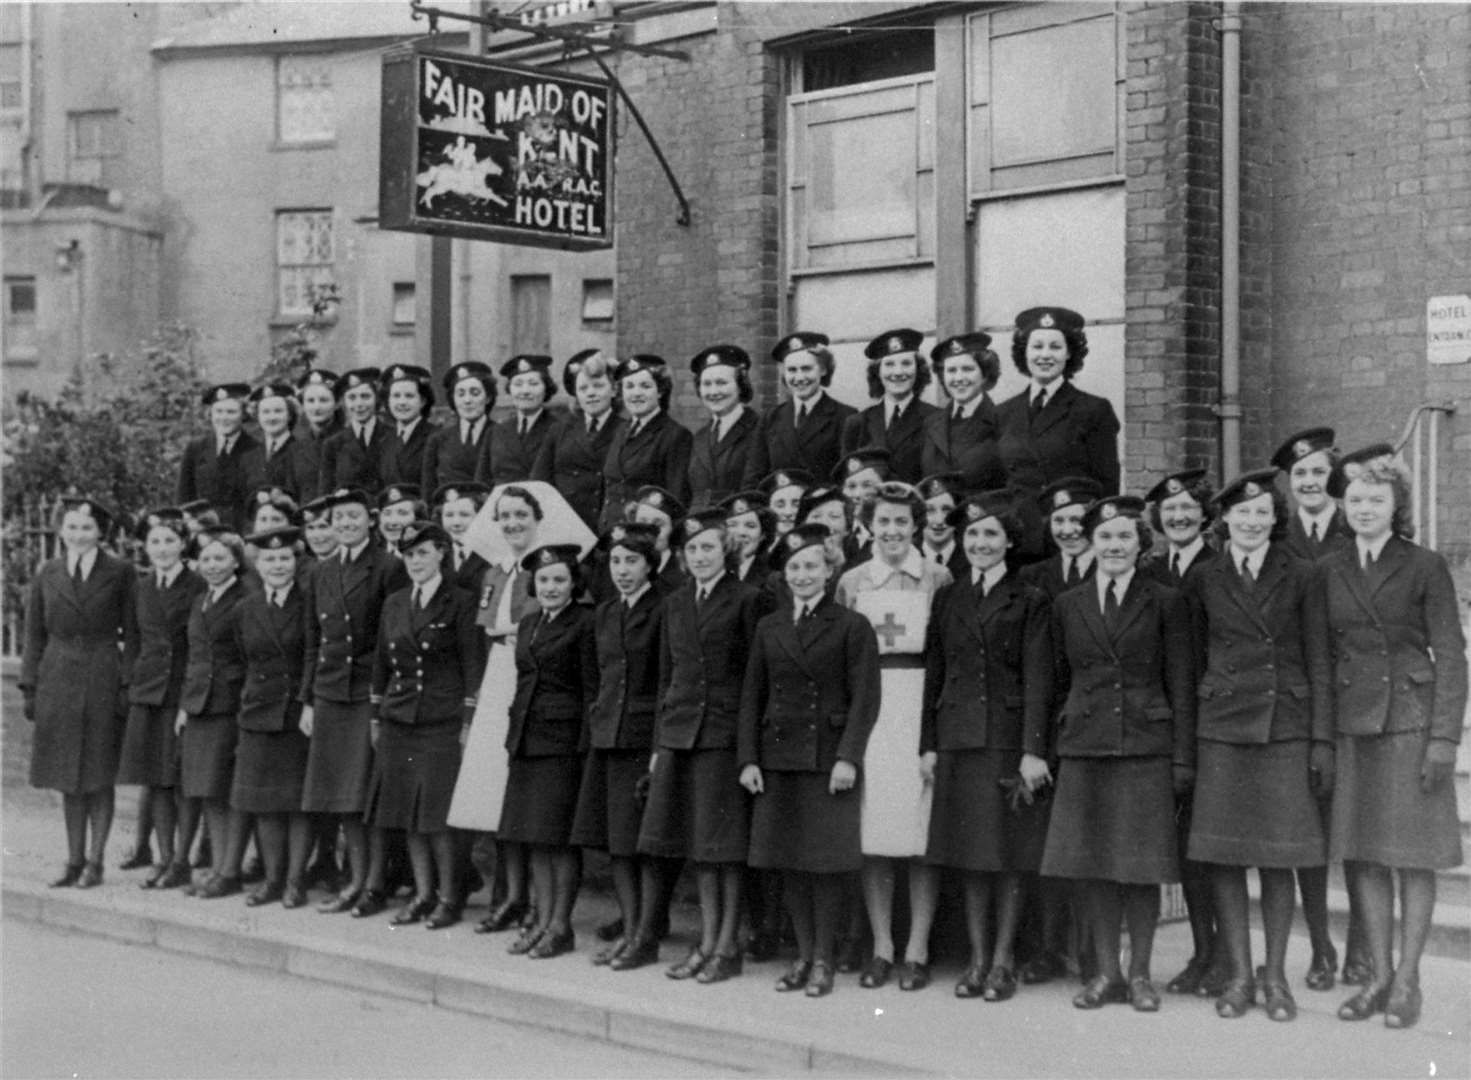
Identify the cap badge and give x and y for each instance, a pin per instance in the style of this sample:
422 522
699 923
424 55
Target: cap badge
896 344
1174 487
1108 511
1302 448
221 394
1252 489
548 558
1061 499
974 512
1047 320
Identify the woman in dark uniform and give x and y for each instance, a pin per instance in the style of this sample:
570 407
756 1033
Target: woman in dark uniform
810 698
353 457
656 507
805 431
511 451
320 420
208 705
1400 679
720 448
274 459
984 730
1063 504
214 466
150 754
784 490
896 378
271 752
1052 429
571 459
399 505
456 506
621 734
961 438
408 392
452 452
939 540
81 640
556 684
1126 741
426 674
1180 507
653 449
828 507
1264 733
697 809
750 532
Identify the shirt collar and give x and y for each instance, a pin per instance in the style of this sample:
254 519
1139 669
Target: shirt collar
1254 559
531 418
427 589
800 606
1375 549
86 560
1323 517
635 597
881 573
1121 588
350 555
723 424
990 576
406 428
968 408
283 590
170 575
1187 554
944 553
709 586
221 589
1083 562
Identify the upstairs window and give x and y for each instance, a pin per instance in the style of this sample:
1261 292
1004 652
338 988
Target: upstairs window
305 108
304 259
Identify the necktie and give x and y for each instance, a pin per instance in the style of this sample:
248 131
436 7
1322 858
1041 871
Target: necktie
403 433
1039 403
801 415
1368 561
592 426
224 448
1074 575
465 429
893 418
521 426
363 435
278 598
982 588
958 414
163 583
1174 564
1246 576
209 600
1313 533
77 570
459 556
1111 605
418 598
701 595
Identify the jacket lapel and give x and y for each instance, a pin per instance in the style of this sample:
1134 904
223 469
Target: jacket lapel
1093 617
1057 410
1345 564
786 634
1135 600
818 424
1392 559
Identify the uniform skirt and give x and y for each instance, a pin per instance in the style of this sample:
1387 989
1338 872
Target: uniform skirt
413 776
150 754
973 825
1254 806
207 756
540 800
1380 815
697 808
797 825
609 811
895 816
270 771
1113 819
481 789
340 761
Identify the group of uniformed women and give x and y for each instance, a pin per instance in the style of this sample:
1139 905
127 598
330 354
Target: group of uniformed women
917 637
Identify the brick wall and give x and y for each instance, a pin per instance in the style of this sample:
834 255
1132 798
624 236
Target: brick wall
681 288
1172 165
1361 210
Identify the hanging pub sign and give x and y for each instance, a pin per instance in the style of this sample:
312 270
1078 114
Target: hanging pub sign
492 151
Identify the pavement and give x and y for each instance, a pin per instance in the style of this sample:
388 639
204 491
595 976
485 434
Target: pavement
741 1024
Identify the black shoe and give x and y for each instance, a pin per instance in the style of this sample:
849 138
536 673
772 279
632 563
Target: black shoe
875 973
1188 981
820 982
551 945
69 876
369 902
141 856
638 954
719 968
1402 1007
1000 984
252 870
1357 972
1278 1002
177 873
217 887
914 976
1042 968
1236 999
1213 983
609 952
850 956
1101 991
337 903
610 931
91 876
205 859
414 911
294 896
1322 970
1142 994
796 976
972 984
1368 1001
689 967
266 893
526 942
444 914
502 918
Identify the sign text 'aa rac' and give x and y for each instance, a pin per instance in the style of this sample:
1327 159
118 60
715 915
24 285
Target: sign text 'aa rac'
492 151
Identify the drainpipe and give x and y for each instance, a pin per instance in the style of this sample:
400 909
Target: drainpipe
1229 409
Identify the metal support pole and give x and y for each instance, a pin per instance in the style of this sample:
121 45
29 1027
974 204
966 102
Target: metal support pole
1230 407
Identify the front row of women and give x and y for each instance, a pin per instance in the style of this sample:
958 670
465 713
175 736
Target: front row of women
755 732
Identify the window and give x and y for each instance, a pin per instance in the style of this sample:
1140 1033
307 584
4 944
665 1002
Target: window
531 313
597 300
20 319
12 90
304 256
403 303
305 110
869 56
92 139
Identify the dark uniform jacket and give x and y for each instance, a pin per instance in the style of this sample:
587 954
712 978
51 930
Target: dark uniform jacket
622 716
1338 535
1157 566
968 447
306 447
703 652
811 695
506 457
224 481
988 669
215 673
905 441
429 661
347 463
556 683
81 642
1399 656
571 460
1130 693
283 469
448 459
1077 434
1262 654
271 640
342 625
816 448
717 468
163 638
658 454
469 573
1047 575
403 462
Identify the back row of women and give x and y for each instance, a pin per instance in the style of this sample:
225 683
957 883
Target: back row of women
813 679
